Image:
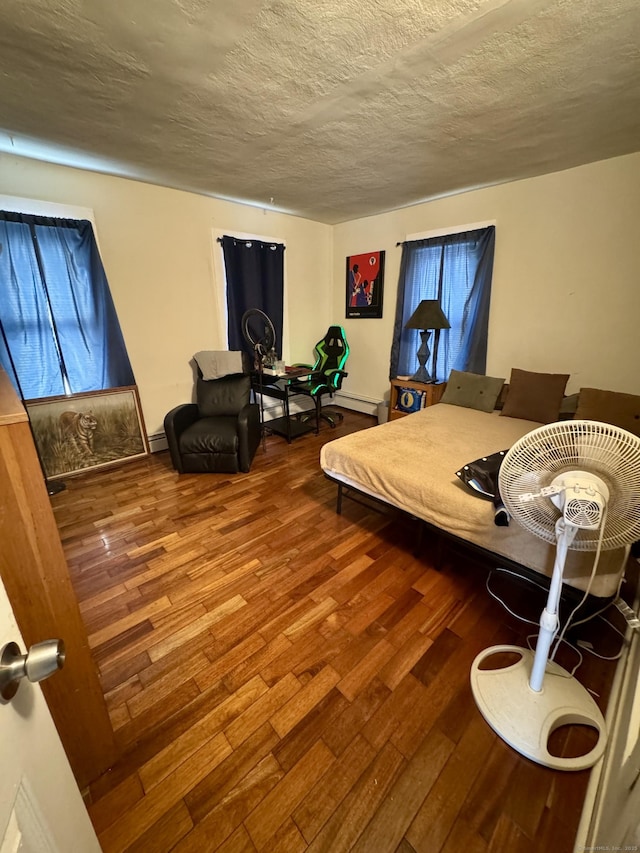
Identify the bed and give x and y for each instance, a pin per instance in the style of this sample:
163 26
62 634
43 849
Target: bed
411 464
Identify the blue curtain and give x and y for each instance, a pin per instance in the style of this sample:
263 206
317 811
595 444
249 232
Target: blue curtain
255 279
455 269
59 332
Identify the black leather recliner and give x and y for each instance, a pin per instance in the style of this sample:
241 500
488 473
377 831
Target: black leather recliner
220 433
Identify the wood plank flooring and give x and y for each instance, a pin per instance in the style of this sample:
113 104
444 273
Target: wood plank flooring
281 678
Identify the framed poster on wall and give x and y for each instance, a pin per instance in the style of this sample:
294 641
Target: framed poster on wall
364 285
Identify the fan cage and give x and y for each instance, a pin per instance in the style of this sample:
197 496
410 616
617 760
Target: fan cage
609 452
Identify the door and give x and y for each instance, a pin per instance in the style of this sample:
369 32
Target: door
36 578
620 824
41 810
614 822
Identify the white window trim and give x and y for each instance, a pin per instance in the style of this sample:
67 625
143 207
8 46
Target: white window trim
219 275
443 232
46 208
35 207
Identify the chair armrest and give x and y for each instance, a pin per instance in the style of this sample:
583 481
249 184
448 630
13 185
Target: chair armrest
175 423
248 435
249 415
335 377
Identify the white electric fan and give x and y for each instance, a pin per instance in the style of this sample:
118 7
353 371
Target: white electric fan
575 483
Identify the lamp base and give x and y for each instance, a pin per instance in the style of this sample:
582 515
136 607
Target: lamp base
421 375
524 718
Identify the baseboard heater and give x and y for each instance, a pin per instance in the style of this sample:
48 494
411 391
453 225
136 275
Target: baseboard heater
157 442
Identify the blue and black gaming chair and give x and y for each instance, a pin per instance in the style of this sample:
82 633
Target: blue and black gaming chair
328 372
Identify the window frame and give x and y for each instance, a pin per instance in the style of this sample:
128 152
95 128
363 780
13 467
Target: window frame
220 284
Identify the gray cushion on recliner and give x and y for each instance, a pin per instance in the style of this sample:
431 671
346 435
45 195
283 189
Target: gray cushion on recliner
223 396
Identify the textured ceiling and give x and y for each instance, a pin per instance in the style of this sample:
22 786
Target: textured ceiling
328 109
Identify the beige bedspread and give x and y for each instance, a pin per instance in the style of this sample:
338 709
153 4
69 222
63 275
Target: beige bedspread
411 463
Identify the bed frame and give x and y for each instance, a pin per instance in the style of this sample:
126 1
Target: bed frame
520 575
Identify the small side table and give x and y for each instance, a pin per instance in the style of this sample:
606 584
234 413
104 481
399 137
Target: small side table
282 388
433 392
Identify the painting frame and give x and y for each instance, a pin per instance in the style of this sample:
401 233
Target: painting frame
364 285
90 431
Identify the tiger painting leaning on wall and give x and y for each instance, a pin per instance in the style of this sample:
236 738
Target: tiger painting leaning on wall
79 428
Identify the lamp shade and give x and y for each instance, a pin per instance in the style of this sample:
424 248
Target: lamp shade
428 315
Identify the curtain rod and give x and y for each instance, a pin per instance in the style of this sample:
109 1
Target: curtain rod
248 240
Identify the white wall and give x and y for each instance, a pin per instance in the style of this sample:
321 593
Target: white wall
157 248
566 283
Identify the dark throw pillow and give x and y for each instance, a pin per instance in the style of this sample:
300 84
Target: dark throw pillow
610 407
472 391
535 396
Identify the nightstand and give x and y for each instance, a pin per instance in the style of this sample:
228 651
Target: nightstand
433 392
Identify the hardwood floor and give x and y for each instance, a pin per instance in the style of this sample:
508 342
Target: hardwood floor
281 678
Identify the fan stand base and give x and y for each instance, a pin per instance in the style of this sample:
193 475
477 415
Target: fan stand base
525 718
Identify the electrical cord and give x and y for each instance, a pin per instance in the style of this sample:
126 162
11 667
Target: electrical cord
596 654
617 630
573 649
558 639
524 619
588 647
608 604
501 601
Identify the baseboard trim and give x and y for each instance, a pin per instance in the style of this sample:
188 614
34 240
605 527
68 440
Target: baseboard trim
355 402
364 405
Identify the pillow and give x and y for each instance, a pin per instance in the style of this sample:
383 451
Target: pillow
409 400
535 396
502 396
472 391
482 475
568 407
612 407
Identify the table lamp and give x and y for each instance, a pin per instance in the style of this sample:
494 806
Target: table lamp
427 316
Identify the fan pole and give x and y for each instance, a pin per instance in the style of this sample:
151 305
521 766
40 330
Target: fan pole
565 534
516 703
527 700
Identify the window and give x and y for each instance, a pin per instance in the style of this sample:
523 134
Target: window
254 272
455 269
59 332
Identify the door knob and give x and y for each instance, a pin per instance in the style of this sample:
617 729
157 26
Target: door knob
41 661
